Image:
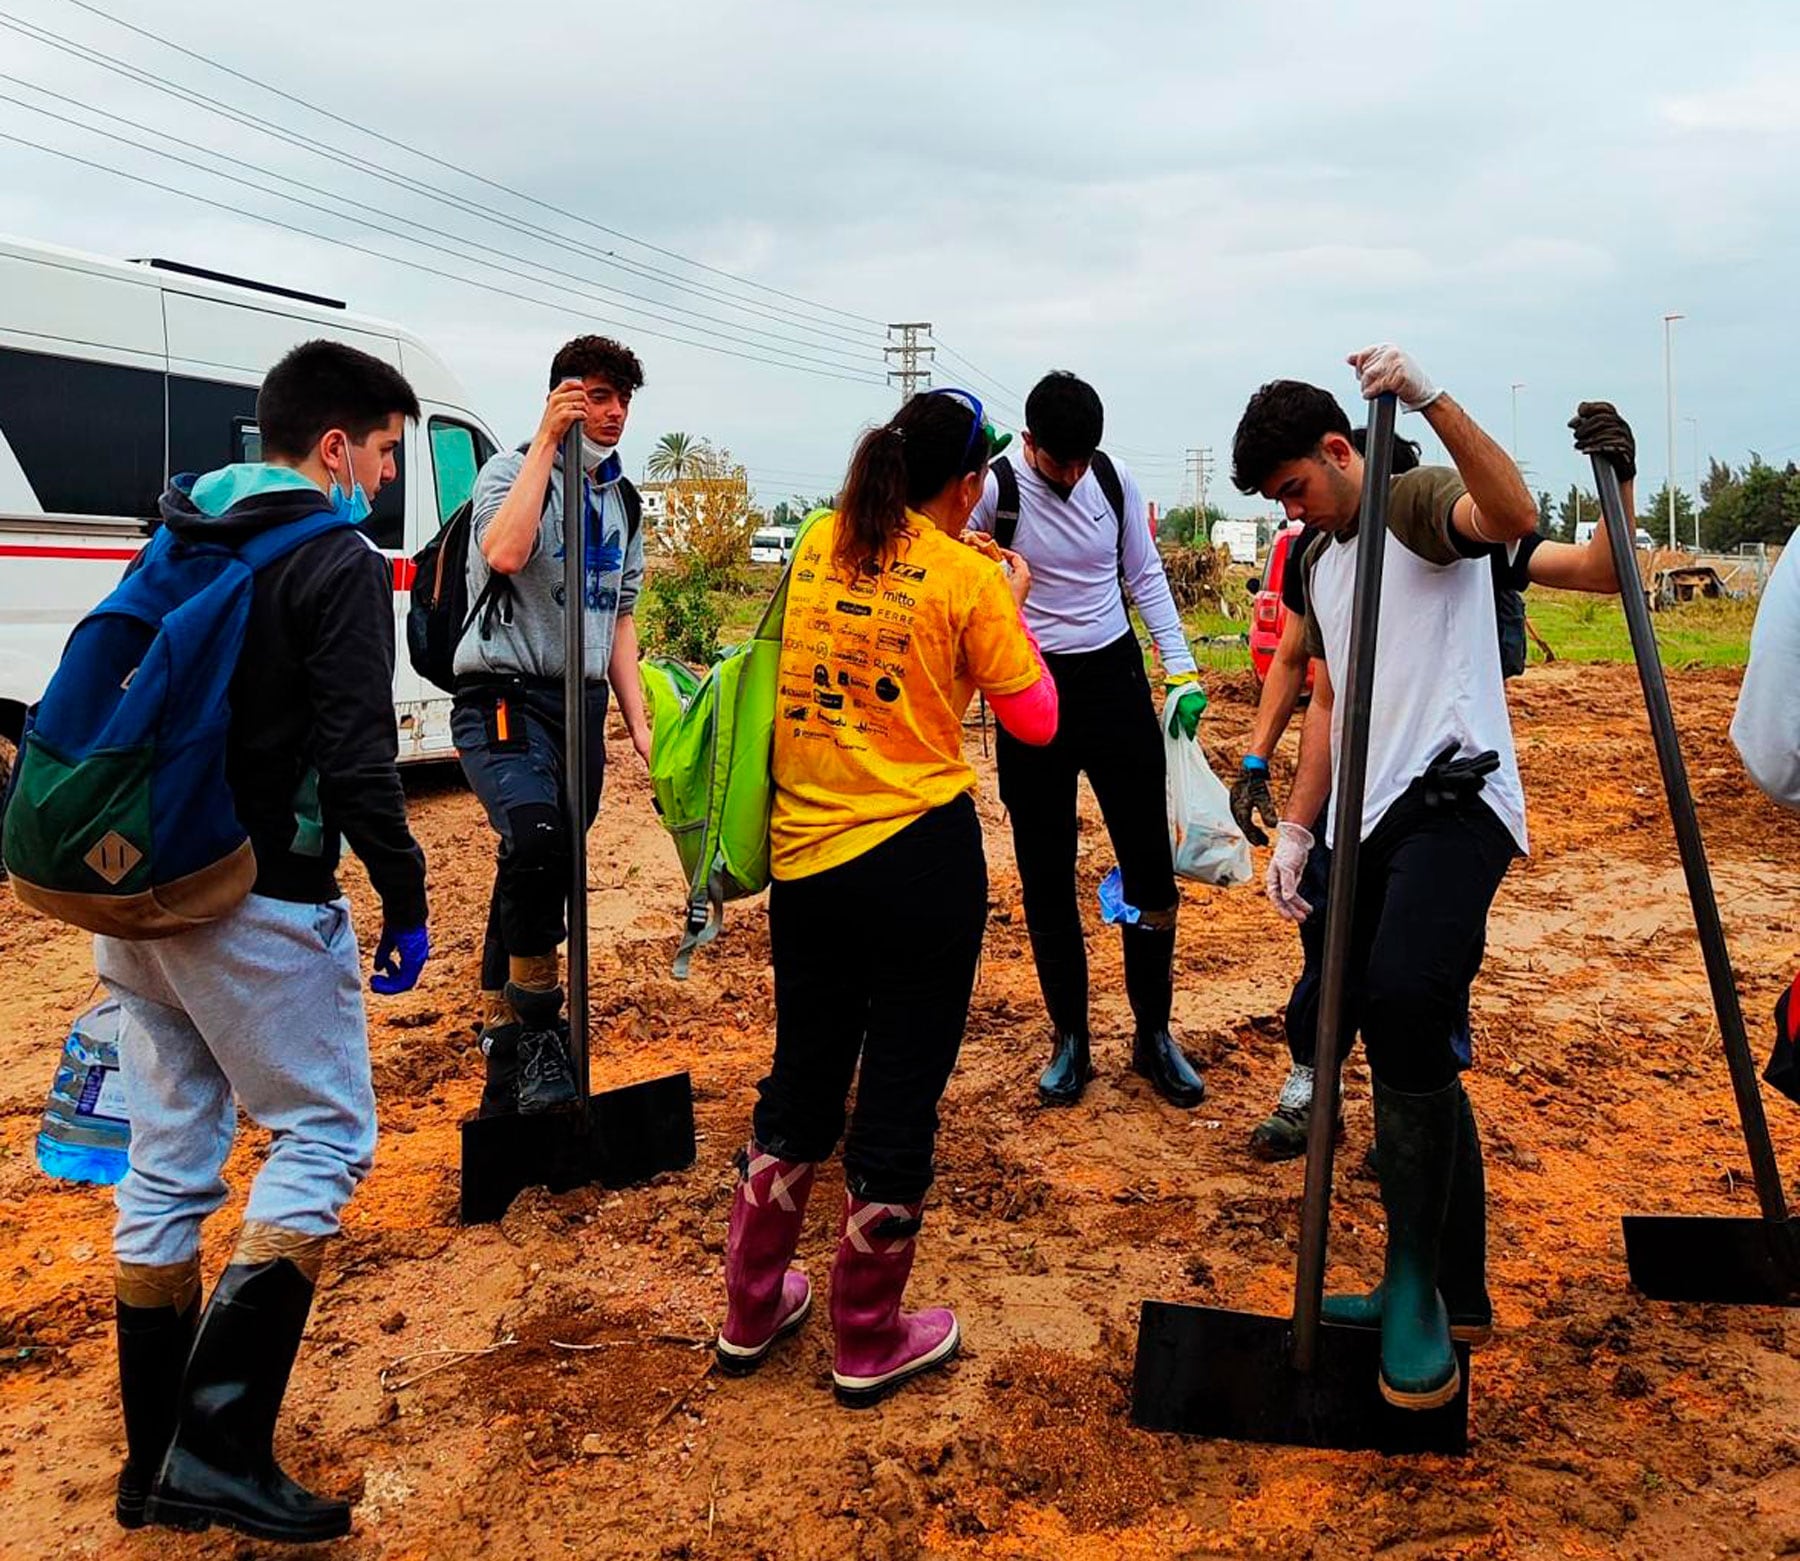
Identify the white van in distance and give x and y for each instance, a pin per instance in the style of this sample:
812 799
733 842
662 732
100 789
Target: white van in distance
771 545
116 375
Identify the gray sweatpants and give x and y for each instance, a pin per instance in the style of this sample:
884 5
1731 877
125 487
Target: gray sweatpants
265 1005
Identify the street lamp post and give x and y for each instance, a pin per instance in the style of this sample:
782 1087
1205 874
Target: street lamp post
1694 428
1669 388
1518 385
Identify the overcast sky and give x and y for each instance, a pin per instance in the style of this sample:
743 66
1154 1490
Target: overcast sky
1177 201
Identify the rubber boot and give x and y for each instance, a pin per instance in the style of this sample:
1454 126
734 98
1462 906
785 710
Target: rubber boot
1418 1136
878 1346
221 1466
500 1032
1150 986
153 1352
1069 1069
764 1298
1061 960
1462 1267
546 1081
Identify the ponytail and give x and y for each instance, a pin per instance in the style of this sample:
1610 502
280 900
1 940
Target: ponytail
907 461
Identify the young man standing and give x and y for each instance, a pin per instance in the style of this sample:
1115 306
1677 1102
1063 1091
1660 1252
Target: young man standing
264 1007
1533 560
1443 817
1082 526
508 719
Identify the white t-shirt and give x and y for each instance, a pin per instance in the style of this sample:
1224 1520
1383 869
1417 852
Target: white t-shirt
1766 727
1437 679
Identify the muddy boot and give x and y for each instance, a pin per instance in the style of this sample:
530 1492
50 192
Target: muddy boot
764 1298
1069 1069
157 1308
500 1032
1282 1134
1149 948
878 1345
1462 1265
1418 1136
221 1467
546 1081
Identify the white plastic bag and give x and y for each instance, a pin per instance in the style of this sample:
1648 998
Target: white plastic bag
1208 845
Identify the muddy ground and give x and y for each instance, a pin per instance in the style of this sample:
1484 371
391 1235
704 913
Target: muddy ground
1604 1425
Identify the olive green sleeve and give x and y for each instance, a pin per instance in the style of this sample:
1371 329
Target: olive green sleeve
1419 506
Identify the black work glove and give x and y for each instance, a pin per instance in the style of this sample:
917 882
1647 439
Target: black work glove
1599 430
1450 782
1250 795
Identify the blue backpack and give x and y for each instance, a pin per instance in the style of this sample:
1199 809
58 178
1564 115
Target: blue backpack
120 819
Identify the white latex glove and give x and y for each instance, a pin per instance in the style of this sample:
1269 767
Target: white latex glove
1385 367
1293 844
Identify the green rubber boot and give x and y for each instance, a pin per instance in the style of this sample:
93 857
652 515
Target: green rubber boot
1462 1267
1418 1136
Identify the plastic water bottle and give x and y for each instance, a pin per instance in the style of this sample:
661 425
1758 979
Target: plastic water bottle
86 1133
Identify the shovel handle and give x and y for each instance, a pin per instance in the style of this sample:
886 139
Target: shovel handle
1726 1007
574 520
1340 902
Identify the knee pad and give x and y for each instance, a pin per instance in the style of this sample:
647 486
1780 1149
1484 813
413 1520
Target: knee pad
537 837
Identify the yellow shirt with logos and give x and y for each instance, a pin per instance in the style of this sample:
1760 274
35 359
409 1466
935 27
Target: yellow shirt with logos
876 672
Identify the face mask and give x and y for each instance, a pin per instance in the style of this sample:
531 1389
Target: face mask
594 456
352 506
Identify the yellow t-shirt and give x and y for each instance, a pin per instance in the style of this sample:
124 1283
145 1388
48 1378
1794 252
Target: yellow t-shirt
876 673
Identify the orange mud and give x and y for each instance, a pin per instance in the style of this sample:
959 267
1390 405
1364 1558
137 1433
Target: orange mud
1604 1425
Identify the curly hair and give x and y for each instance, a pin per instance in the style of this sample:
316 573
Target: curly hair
1285 420
601 357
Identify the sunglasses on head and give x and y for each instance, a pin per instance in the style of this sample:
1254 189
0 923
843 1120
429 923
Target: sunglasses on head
996 442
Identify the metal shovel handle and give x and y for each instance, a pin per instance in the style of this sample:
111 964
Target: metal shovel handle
574 520
1340 904
1726 1007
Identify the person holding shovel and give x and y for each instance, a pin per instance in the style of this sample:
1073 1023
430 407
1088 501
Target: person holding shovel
1443 813
879 897
508 716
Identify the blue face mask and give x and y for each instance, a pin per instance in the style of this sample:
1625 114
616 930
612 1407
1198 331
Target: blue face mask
353 506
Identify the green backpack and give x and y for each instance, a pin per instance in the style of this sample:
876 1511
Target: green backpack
711 766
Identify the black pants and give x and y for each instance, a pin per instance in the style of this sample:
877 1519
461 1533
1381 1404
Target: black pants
875 959
510 740
1107 728
1424 884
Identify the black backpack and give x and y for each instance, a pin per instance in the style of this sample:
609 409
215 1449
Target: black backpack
1006 504
1509 616
439 612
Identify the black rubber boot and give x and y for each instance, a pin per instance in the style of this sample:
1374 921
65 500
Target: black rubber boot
546 1082
1418 1136
221 1467
1061 961
153 1352
1061 1083
1462 1263
1150 986
500 1052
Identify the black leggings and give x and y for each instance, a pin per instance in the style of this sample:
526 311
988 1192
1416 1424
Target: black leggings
1107 727
875 959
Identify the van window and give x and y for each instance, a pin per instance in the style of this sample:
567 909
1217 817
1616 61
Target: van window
104 459
386 525
458 453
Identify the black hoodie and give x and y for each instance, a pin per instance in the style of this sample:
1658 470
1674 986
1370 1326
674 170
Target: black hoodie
311 754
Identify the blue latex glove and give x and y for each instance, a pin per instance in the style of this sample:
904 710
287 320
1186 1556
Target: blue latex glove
1183 705
399 957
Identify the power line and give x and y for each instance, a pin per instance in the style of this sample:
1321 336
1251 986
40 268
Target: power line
350 160
493 184
405 237
415 265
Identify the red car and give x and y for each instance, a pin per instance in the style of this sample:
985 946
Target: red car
1268 614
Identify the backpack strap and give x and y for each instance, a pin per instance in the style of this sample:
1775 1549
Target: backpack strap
1107 475
634 508
263 549
1006 508
775 614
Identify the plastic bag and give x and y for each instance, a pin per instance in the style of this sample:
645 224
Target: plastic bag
1208 845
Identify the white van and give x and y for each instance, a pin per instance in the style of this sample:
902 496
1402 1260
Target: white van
114 376
771 545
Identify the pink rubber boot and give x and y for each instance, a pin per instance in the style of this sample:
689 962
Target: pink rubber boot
878 1345
764 1298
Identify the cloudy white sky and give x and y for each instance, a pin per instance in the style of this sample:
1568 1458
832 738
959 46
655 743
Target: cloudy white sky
1178 201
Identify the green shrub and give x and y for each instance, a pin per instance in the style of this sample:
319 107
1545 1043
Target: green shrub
681 619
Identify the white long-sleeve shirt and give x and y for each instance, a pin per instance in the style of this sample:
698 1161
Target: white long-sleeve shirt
1072 546
1766 727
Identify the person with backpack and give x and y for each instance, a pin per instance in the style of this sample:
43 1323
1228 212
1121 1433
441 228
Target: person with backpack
1534 559
879 898
1443 813
508 718
262 1005
1080 520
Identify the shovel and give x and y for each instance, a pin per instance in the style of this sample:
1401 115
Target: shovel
619 1136
1701 1257
1300 1380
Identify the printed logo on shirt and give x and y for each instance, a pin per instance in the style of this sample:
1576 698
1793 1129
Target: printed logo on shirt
863 585
894 643
822 674
846 681
898 599
796 712
807 577
887 690
827 700
854 609
901 570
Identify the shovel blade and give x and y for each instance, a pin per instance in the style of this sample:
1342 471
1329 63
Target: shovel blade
1706 1257
1204 1371
630 1134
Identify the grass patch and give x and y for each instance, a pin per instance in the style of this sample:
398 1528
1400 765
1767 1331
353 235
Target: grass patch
1584 628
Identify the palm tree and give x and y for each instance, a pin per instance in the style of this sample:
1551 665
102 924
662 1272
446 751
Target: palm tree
673 458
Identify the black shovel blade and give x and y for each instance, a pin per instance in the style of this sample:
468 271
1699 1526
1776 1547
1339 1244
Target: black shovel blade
1204 1371
630 1134
1710 1257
